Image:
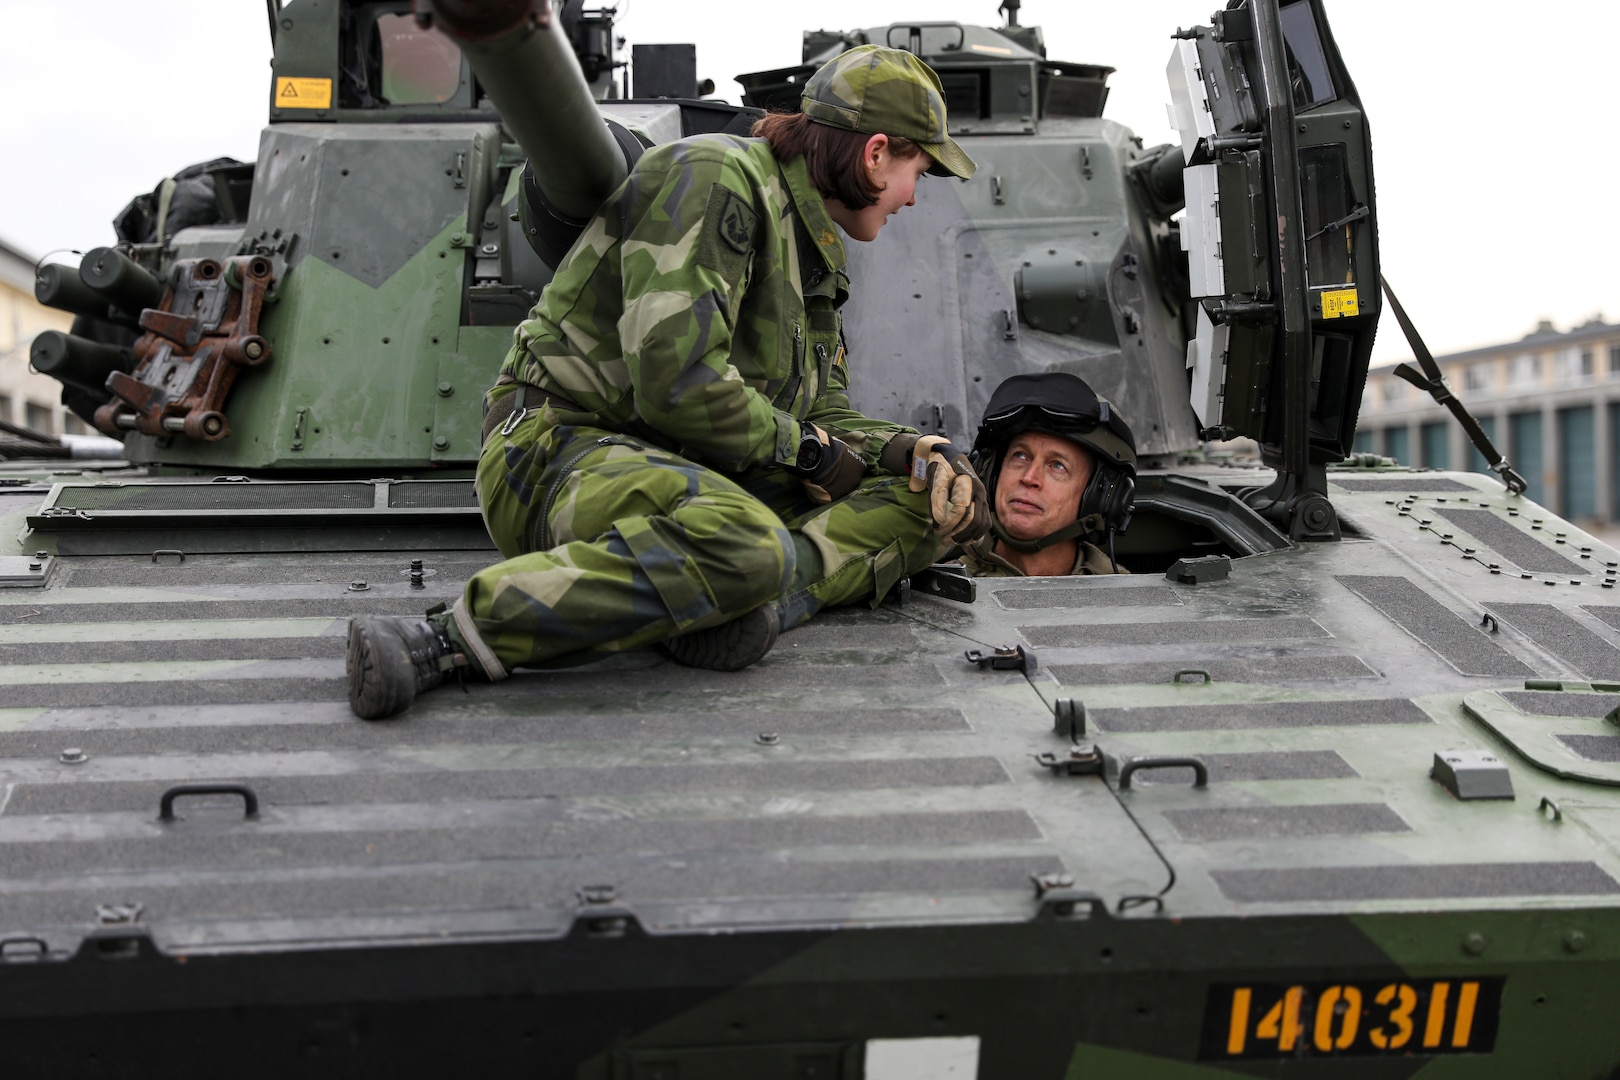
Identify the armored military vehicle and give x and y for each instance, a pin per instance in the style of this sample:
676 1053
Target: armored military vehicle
1325 787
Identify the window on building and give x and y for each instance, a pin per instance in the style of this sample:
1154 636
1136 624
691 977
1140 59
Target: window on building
1572 366
1477 379
1394 390
40 418
72 425
1434 445
1614 360
1525 370
1397 444
5 408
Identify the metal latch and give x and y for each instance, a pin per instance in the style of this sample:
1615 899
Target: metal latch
1005 658
1082 759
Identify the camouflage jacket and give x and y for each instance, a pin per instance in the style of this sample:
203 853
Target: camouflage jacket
981 560
701 302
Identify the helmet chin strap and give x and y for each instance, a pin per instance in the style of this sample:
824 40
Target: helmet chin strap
1091 523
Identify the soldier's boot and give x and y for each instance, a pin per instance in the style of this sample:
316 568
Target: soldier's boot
730 646
393 658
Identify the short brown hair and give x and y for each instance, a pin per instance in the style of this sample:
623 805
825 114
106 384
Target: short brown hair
831 155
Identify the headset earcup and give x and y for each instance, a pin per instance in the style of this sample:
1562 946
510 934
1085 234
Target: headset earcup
1109 494
1119 510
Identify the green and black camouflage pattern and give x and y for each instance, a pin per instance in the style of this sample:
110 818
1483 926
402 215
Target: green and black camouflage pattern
687 305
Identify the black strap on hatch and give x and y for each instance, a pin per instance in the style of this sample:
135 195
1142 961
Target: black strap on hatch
1433 381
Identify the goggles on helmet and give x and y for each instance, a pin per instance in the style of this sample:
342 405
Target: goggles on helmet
1061 404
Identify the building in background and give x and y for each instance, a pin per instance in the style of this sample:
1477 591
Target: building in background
28 398
1550 402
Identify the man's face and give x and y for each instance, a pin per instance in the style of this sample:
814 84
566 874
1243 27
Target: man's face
1039 487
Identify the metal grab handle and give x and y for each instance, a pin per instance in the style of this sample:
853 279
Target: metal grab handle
35 948
1200 770
1208 678
166 806
1548 804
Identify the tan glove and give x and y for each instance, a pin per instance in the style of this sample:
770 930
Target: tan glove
957 502
840 472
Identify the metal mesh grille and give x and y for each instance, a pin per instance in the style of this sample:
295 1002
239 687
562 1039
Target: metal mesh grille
425 494
176 497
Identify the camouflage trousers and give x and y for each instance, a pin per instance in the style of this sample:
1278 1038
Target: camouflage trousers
611 544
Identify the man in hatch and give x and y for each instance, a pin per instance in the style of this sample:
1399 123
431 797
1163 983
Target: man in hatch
671 458
1060 465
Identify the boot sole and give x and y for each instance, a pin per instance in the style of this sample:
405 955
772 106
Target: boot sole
367 656
731 646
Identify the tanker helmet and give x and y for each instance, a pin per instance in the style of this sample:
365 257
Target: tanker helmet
1059 403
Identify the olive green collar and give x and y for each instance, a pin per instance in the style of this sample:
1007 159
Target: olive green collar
812 209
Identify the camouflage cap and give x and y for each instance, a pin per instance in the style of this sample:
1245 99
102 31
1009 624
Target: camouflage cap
888 92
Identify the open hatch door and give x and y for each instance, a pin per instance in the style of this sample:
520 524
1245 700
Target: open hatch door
1282 242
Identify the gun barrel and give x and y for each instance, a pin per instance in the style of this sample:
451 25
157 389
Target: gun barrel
527 68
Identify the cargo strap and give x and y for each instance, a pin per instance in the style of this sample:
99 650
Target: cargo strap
1432 380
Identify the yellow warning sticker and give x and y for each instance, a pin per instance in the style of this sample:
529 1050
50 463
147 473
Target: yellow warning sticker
303 93
1340 303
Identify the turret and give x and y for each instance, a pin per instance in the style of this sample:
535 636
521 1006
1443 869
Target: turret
347 311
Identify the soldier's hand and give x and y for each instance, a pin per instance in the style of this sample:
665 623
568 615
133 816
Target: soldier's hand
957 502
840 472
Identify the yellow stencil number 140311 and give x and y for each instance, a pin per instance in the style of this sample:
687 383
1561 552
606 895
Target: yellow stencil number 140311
1360 1018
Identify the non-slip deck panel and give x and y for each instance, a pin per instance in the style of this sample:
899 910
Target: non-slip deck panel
396 780
546 725
164 651
528 830
1560 634
1545 703
1268 669
527 884
1593 747
1457 880
340 604
242 687
1606 612
1393 484
1515 545
1404 603
1285 822
1261 714
1058 596
169 573
1172 632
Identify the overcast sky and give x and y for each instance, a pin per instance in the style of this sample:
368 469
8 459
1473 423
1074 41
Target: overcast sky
1492 147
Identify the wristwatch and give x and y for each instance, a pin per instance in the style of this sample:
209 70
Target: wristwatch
812 451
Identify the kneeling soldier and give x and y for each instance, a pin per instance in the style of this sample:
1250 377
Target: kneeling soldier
671 458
